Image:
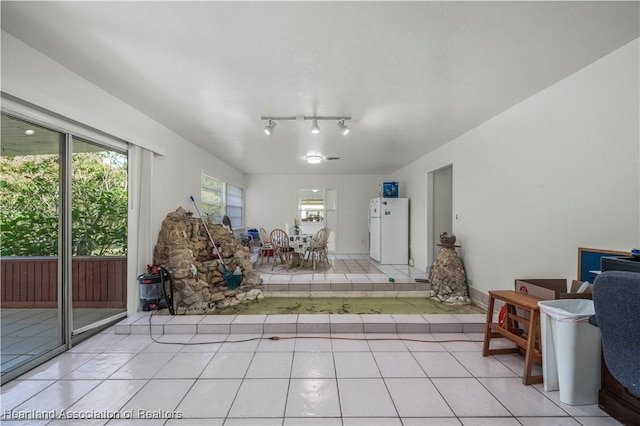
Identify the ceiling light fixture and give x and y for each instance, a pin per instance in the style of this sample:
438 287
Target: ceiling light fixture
313 159
29 132
343 127
269 127
315 129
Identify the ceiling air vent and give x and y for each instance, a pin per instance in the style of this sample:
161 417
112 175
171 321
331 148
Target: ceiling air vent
332 158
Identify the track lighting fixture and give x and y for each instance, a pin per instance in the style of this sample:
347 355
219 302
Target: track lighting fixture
315 129
313 159
343 127
269 127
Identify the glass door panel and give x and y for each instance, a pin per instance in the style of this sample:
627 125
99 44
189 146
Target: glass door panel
30 188
98 235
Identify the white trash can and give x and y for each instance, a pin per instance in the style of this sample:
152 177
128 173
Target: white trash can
571 350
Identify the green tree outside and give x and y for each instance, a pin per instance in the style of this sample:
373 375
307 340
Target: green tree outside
29 194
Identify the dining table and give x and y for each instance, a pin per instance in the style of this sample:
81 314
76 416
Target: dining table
300 243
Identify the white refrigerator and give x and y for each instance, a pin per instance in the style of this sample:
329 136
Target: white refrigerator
389 230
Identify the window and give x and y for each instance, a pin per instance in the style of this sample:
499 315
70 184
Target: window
212 198
220 199
234 204
311 205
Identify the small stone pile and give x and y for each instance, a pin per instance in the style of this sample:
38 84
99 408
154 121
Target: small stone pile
185 250
448 279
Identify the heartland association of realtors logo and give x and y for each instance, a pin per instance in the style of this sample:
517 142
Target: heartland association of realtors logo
90 414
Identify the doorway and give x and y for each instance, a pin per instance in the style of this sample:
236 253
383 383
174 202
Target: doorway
317 208
440 199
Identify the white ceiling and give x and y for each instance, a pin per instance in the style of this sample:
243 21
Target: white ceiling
413 75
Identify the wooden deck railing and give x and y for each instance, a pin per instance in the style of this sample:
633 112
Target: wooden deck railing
31 282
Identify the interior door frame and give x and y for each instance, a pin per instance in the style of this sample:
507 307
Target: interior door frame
432 211
326 212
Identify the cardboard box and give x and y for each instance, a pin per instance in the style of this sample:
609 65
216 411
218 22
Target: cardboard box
551 289
573 291
545 289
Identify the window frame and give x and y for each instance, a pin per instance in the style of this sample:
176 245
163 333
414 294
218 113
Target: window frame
226 192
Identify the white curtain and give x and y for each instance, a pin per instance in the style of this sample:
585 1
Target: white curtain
140 241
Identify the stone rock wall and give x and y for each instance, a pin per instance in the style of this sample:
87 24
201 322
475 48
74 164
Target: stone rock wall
448 279
185 250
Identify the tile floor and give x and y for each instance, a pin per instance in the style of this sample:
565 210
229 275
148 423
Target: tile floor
29 332
299 381
354 272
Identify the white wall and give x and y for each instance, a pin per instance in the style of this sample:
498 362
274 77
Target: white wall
33 77
272 201
560 170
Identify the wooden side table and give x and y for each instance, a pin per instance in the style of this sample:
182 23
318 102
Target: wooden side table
526 338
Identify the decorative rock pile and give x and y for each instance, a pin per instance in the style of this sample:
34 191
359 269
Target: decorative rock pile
185 250
448 279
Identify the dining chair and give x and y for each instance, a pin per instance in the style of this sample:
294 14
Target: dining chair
266 248
282 249
318 248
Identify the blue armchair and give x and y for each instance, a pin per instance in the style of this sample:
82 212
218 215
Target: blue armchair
616 298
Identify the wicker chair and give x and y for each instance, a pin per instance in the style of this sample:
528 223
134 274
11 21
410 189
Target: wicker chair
318 248
282 249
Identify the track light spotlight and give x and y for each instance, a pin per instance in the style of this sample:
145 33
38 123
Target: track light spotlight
343 127
314 128
269 127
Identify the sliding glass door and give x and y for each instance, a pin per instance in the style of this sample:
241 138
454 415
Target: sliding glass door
99 235
63 230
31 171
